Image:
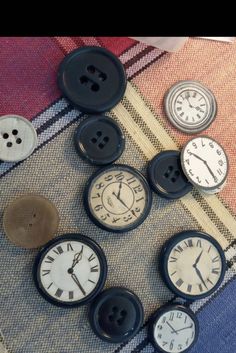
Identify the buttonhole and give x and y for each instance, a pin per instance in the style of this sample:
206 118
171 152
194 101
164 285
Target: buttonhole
120 321
123 313
177 173
170 168
173 180
99 133
111 318
9 144
14 132
30 224
115 309
95 87
34 215
102 76
91 69
106 139
101 145
83 80
166 175
18 140
93 140
5 136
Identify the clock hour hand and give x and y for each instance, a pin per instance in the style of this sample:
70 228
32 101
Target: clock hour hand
121 201
190 105
195 155
172 328
75 279
197 259
200 276
77 257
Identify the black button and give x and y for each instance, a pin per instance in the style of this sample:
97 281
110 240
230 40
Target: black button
166 176
92 78
99 139
116 315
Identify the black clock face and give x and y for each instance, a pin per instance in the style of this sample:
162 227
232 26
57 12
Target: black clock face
117 198
70 270
174 328
193 264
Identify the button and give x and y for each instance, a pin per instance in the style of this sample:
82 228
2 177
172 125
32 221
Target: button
18 138
30 221
116 315
100 140
166 176
92 78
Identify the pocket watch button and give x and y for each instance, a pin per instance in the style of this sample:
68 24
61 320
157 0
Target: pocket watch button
166 176
99 140
18 138
92 78
116 315
30 221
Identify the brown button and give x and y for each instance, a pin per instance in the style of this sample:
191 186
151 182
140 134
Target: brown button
30 221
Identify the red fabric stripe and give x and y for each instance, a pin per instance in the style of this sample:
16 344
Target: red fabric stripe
116 44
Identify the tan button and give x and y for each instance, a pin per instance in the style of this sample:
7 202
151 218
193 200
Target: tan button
18 138
30 221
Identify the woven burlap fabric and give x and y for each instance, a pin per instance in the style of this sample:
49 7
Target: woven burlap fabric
28 322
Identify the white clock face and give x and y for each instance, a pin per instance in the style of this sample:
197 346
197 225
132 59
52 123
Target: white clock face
204 162
174 331
69 271
118 198
190 106
194 266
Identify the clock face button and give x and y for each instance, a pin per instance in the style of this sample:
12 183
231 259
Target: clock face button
174 329
194 264
118 198
190 106
204 162
70 271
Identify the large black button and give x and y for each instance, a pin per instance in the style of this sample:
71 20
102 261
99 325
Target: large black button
166 176
99 139
116 315
92 78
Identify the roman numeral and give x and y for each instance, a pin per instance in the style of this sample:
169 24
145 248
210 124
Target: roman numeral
179 249
207 181
216 259
50 260
94 268
179 282
208 280
91 257
199 243
200 287
209 249
189 289
216 271
91 281
46 272
141 198
49 285
172 274
171 318
199 117
71 295
58 251
173 259
69 247
58 292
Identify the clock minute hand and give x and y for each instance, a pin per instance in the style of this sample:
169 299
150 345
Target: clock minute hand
185 328
211 172
200 276
120 186
75 279
121 201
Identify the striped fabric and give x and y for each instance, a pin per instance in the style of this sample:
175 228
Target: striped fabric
28 88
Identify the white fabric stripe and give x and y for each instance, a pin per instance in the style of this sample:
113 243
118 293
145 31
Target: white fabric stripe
90 41
143 61
49 113
67 43
132 52
194 306
148 349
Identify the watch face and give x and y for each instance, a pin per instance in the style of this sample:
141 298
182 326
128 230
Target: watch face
193 264
70 270
204 162
190 106
174 329
117 198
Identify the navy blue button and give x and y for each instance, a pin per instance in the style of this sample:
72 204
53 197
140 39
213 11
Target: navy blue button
92 78
99 140
116 315
166 176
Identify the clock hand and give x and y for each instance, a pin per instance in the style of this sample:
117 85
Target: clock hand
121 201
200 276
190 105
120 186
172 328
197 259
195 155
185 328
77 257
75 279
211 172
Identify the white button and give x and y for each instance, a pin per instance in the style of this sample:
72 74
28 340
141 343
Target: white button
18 138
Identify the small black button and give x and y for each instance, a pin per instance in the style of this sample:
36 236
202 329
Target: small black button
99 139
92 78
116 315
166 176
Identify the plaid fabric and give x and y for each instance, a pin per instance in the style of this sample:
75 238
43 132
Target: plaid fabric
28 87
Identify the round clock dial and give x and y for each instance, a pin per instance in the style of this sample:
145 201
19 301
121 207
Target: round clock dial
205 163
70 270
173 328
117 198
193 264
190 106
